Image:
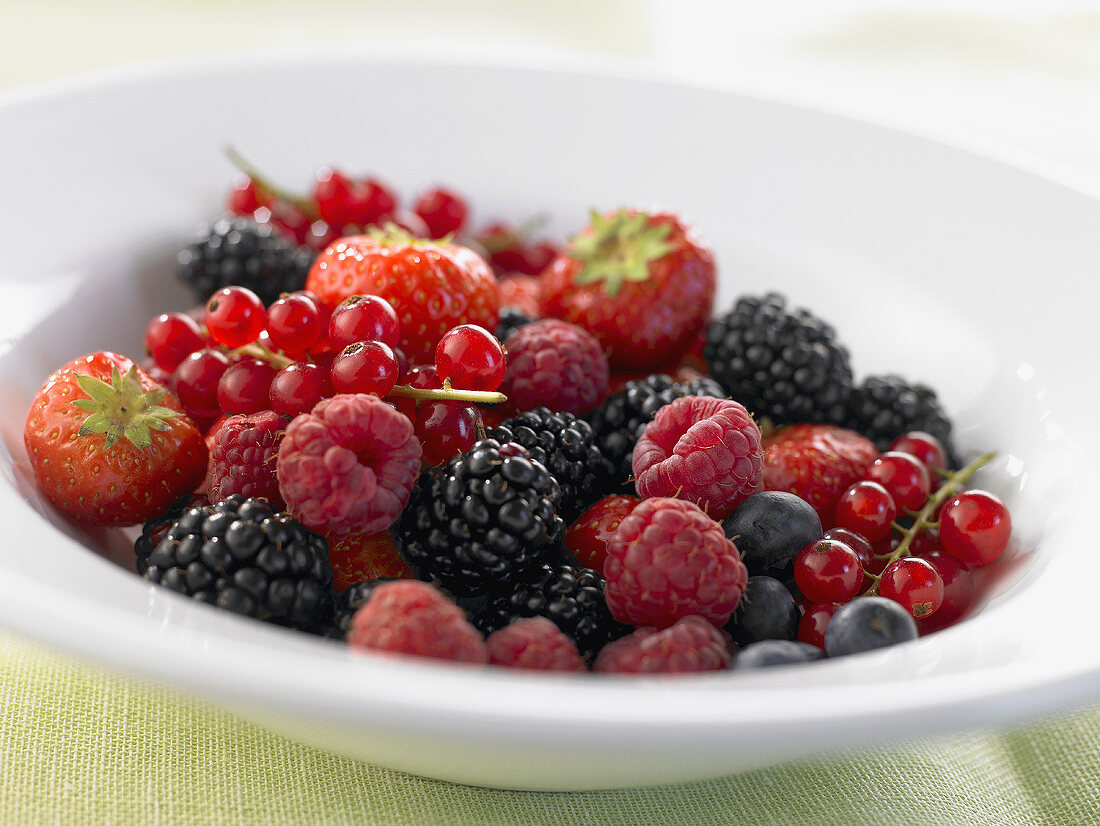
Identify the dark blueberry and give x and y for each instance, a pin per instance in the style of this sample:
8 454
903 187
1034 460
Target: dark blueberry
776 652
867 623
767 611
769 529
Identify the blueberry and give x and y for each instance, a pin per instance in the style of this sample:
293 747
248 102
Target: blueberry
776 652
767 611
769 529
868 623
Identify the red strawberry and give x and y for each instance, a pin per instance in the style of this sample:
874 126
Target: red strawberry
362 557
587 538
641 283
816 462
108 445
433 287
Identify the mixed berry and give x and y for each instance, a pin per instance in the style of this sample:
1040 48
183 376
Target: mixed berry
386 428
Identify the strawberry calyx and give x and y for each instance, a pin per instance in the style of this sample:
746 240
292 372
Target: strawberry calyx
122 409
618 248
392 235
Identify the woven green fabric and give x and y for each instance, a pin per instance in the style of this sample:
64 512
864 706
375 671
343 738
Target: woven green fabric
79 745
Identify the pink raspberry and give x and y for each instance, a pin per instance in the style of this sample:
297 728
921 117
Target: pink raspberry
243 451
668 560
692 644
348 466
703 450
554 364
410 617
535 643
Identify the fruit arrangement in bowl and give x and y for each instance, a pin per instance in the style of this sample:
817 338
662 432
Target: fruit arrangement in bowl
384 428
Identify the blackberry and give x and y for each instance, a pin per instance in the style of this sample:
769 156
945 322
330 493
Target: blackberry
482 520
620 420
566 446
236 251
351 600
153 531
511 319
884 407
782 364
569 596
240 555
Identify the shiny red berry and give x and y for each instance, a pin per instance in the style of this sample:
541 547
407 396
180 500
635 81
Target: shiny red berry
235 316
421 377
363 318
866 508
365 367
958 591
924 446
172 337
914 584
975 527
196 382
243 387
445 429
858 543
443 211
298 387
294 324
471 358
244 197
904 477
815 621
828 571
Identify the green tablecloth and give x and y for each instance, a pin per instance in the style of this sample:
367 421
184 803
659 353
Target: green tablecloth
79 745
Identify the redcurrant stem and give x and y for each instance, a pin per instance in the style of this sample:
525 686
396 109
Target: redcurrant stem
923 519
424 394
302 202
277 360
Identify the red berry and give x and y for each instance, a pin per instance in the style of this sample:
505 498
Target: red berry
243 387
471 358
828 571
904 477
958 591
446 428
814 622
196 382
975 527
242 457
235 316
298 387
588 537
442 210
534 643
914 584
363 318
289 221
858 543
294 324
245 197
536 257
375 202
924 446
365 367
554 364
360 557
335 197
421 377
691 644
172 337
867 509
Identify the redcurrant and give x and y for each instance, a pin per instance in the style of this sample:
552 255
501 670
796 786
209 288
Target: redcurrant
904 477
914 584
975 527
196 382
298 387
243 387
365 367
864 549
958 591
446 428
828 571
363 318
926 447
868 509
235 316
815 621
422 377
245 197
442 210
172 337
294 324
471 358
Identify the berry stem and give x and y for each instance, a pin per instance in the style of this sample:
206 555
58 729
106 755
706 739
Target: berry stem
276 360
923 520
302 202
447 395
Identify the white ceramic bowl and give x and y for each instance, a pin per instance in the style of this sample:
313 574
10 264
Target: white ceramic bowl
949 267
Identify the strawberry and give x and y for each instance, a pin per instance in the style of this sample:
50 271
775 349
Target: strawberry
108 445
361 557
642 283
587 538
433 286
816 462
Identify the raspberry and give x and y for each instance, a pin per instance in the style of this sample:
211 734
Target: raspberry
703 450
692 644
349 465
668 560
534 643
554 364
242 457
414 618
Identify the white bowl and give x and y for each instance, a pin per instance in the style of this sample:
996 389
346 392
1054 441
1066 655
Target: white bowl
973 275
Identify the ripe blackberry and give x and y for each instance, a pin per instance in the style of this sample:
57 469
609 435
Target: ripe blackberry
153 531
884 407
511 319
783 364
236 251
350 601
620 420
240 555
566 446
569 596
482 520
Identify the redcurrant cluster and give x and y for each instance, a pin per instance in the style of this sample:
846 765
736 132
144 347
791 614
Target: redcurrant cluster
907 533
245 359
